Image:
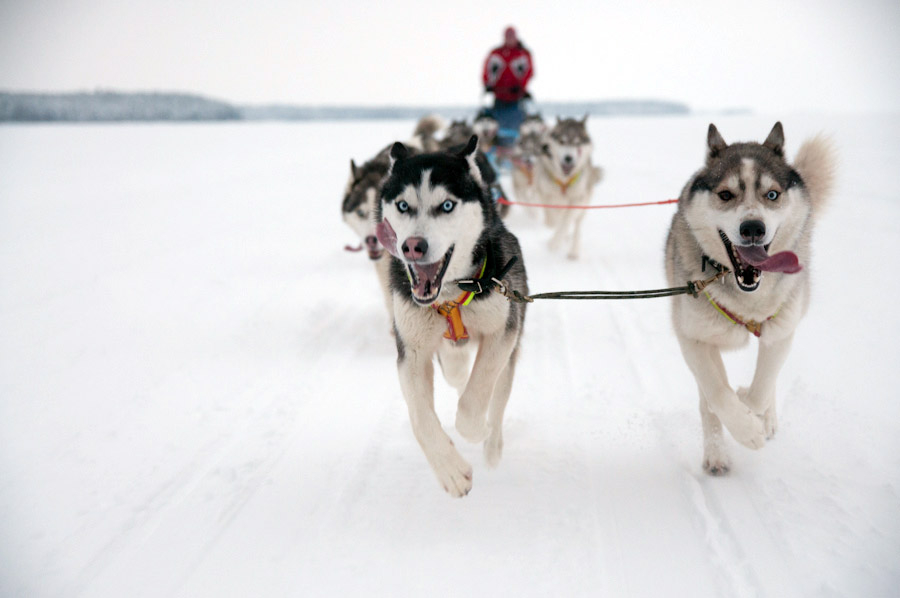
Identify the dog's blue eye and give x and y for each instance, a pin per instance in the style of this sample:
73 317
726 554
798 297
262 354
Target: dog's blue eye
402 206
726 195
773 195
448 206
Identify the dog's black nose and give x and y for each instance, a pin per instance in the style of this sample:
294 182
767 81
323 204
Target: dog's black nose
371 242
753 230
567 159
414 248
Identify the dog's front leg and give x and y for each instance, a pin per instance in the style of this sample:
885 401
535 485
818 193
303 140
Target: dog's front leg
417 382
760 397
576 236
562 229
492 357
705 362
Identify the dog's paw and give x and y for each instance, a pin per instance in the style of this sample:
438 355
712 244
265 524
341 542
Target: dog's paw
745 426
453 473
770 421
493 450
572 255
766 410
473 428
716 461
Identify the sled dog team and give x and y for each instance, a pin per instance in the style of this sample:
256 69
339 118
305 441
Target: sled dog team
427 215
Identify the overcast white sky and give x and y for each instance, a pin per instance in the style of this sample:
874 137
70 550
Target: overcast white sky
765 55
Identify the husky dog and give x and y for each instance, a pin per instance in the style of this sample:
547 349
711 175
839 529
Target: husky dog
486 127
525 154
423 137
437 219
457 133
566 177
358 211
750 211
361 196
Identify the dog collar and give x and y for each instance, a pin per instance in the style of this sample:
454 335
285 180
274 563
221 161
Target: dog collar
564 185
456 330
753 326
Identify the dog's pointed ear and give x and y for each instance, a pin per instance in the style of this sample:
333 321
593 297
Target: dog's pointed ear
775 140
583 121
468 154
558 119
470 148
714 142
398 152
354 170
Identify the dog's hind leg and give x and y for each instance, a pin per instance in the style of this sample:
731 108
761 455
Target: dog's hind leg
715 456
454 362
417 382
760 397
705 362
493 355
493 446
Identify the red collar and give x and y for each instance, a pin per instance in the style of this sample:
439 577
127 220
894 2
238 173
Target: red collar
753 326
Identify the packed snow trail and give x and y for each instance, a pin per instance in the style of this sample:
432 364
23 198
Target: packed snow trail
199 396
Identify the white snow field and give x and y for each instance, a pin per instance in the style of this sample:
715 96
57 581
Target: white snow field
198 391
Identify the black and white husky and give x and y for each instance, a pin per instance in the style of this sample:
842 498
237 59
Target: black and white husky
752 212
437 219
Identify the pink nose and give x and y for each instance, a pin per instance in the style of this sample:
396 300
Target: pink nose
414 248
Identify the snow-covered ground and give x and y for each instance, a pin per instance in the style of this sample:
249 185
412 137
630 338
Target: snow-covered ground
198 393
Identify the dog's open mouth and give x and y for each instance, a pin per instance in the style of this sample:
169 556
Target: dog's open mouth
750 261
567 168
425 279
373 248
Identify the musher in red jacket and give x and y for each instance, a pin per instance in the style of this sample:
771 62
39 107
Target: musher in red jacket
507 71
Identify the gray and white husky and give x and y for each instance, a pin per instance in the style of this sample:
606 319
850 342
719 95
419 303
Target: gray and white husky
752 212
437 219
525 154
363 188
565 176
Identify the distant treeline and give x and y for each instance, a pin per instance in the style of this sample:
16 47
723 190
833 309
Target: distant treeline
112 106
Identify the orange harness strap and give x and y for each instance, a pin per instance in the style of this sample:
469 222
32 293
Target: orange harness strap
456 330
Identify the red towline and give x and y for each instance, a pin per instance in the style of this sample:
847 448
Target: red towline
507 202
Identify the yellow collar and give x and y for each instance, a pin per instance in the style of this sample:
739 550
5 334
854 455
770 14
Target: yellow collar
564 185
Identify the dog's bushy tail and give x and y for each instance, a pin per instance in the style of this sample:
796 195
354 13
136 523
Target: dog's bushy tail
816 162
425 131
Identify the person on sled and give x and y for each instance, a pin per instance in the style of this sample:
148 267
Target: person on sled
507 70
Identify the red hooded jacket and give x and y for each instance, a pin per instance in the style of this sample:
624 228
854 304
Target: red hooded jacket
507 70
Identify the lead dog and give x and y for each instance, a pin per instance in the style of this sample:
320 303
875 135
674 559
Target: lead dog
438 221
750 211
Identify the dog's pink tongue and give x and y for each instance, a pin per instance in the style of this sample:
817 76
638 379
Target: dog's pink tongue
756 255
425 274
387 237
